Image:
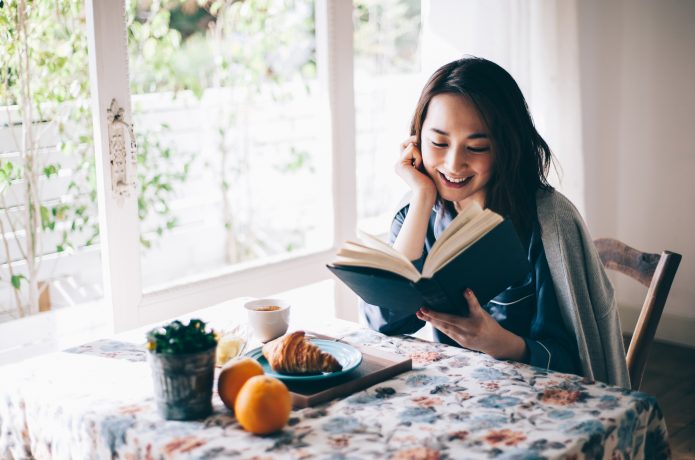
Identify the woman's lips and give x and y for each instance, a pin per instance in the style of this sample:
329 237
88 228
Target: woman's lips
451 184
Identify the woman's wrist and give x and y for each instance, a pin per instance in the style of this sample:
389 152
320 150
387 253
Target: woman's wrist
423 197
411 238
511 347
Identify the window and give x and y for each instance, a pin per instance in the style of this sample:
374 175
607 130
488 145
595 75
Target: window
309 154
49 253
231 156
387 84
244 175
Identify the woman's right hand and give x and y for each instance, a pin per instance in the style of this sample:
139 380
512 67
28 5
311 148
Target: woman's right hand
409 168
411 238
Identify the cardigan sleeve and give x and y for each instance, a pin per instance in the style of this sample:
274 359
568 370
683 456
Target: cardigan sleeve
382 319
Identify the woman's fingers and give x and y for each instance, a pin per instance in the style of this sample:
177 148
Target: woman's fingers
466 324
409 168
477 331
417 157
454 320
407 152
450 329
474 308
410 140
410 151
411 156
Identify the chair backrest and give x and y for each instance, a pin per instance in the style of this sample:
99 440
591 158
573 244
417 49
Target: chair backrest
656 271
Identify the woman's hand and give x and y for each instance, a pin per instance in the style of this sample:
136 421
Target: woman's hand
411 238
409 168
478 331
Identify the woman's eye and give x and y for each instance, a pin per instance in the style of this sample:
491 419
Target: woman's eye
478 149
438 145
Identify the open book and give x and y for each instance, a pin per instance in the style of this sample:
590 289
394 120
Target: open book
478 250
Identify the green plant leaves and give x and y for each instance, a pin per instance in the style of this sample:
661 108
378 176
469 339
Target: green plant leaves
16 280
177 338
50 170
6 171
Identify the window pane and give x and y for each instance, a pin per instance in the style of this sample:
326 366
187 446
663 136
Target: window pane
233 164
49 253
387 85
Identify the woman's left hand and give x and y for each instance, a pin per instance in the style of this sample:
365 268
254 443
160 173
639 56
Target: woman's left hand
477 331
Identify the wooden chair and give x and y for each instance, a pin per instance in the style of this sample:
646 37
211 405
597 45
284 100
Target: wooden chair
656 271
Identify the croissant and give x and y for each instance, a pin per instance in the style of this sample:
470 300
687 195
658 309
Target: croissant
294 354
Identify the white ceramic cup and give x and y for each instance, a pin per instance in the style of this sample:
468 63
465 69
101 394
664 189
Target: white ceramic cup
267 323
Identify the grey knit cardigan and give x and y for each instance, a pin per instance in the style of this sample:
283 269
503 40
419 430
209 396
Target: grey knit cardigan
584 292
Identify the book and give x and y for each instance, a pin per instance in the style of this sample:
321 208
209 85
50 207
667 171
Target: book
479 250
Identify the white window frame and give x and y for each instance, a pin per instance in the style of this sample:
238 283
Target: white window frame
131 305
125 304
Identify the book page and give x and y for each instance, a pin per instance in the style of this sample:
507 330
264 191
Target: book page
462 219
351 258
374 253
373 242
465 236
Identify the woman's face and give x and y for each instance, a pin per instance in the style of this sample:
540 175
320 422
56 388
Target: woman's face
456 149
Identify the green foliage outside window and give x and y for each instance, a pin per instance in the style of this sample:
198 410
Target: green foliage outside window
44 91
247 46
387 34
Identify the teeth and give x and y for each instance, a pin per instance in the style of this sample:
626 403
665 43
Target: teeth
454 180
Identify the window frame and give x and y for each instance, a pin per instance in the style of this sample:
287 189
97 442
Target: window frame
126 304
131 305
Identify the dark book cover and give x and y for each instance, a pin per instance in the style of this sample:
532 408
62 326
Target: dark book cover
493 263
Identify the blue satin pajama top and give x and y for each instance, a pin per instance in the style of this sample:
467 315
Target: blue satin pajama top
529 309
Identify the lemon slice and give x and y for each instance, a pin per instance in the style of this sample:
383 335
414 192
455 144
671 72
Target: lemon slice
228 347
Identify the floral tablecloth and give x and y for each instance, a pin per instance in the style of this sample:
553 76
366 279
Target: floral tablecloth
95 401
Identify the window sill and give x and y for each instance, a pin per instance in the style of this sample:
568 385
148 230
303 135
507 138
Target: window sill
53 330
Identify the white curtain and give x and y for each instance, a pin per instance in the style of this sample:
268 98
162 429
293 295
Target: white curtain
537 42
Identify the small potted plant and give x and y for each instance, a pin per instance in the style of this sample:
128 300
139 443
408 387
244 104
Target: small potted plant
182 358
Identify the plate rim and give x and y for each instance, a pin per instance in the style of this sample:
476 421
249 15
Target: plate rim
311 377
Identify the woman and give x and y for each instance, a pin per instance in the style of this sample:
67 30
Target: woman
472 139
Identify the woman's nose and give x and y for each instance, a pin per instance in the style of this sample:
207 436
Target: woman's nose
454 160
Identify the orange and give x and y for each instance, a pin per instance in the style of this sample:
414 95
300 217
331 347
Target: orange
233 376
263 405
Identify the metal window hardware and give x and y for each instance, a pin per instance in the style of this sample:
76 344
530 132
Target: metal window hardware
122 152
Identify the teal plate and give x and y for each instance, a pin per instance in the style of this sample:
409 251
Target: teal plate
347 355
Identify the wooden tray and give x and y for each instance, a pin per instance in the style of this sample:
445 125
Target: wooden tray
376 367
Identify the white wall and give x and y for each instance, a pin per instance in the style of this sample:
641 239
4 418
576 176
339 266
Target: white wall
637 87
638 80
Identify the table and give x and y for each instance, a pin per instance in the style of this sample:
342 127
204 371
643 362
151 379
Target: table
95 401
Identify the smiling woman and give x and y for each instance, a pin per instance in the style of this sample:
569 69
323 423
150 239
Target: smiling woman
472 139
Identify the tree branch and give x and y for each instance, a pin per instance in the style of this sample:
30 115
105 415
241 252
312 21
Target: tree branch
18 299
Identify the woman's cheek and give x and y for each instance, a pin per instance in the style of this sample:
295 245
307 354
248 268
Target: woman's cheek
426 162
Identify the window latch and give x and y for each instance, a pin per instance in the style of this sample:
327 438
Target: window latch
122 152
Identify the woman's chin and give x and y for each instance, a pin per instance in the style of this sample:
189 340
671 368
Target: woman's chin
461 196
454 195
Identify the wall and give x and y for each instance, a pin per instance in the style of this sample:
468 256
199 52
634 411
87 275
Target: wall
636 77
638 71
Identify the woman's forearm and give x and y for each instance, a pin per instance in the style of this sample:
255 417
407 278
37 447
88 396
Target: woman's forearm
411 238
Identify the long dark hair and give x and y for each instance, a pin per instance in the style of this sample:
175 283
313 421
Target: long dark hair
522 157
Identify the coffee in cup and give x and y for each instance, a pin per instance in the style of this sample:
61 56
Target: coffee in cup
269 318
